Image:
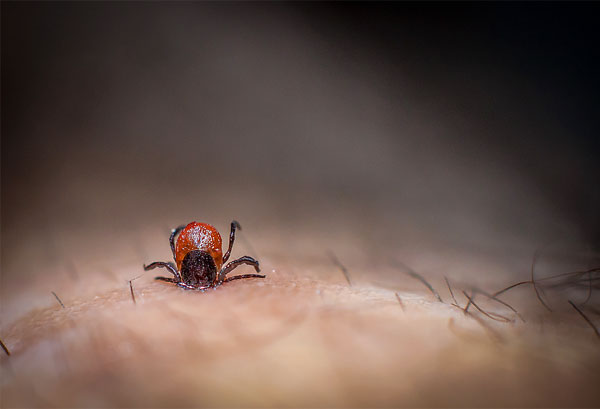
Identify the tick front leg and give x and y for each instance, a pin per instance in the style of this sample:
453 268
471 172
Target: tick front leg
234 225
169 266
174 233
235 263
243 276
167 279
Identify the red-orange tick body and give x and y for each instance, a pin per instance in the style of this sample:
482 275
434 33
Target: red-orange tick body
199 257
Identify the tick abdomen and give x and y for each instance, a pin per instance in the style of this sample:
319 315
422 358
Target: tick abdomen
198 269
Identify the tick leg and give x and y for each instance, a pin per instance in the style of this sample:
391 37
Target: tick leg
169 266
243 276
233 264
174 233
234 225
167 279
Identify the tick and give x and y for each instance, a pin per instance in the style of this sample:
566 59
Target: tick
199 259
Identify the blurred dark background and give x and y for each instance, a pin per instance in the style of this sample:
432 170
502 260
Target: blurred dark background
466 121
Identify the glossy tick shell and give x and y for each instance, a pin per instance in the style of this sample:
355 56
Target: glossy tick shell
199 258
199 236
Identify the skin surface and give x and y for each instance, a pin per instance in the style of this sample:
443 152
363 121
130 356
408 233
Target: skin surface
309 335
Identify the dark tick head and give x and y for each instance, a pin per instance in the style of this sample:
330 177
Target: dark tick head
198 269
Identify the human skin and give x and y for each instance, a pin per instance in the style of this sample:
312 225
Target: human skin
305 336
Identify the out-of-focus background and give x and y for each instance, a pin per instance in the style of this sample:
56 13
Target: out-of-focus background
452 139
